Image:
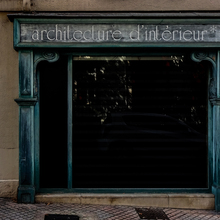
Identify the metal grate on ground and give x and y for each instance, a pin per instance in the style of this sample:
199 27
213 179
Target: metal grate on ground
151 213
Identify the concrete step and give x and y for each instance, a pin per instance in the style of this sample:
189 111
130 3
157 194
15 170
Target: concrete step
163 200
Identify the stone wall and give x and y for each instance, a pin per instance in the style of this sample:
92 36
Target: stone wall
8 110
109 5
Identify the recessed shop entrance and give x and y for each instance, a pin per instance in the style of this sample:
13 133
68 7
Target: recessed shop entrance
134 111
136 122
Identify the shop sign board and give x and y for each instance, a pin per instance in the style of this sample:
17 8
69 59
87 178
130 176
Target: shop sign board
115 33
67 33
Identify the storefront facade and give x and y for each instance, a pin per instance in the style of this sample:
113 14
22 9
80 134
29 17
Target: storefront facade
124 103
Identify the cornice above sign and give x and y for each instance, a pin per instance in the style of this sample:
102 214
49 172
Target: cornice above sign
85 33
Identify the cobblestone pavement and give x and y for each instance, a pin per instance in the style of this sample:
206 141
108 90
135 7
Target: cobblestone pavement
10 210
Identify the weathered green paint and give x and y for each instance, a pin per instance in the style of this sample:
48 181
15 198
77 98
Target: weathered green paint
26 104
127 190
18 44
119 20
26 78
39 57
36 145
218 73
210 140
216 140
29 112
212 94
26 188
69 122
16 32
36 77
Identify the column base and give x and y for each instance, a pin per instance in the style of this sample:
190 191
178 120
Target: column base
216 192
26 194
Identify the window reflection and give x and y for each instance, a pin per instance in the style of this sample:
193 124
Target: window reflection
139 117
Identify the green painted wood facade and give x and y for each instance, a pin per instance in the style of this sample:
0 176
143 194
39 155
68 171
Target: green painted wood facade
30 54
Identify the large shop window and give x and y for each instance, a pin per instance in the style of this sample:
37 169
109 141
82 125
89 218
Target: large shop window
138 122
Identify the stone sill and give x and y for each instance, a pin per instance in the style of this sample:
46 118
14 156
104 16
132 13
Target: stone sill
163 200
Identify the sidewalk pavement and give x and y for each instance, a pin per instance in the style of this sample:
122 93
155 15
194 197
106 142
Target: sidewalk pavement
11 210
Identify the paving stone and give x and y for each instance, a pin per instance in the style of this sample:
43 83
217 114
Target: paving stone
11 210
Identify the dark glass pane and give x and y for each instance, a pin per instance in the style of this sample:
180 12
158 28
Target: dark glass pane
139 123
53 124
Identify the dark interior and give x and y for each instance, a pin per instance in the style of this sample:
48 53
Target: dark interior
53 124
137 123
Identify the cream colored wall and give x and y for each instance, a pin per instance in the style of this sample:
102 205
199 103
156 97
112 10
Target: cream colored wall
125 5
9 63
109 5
8 109
11 5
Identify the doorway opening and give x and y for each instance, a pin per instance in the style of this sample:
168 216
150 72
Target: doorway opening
53 124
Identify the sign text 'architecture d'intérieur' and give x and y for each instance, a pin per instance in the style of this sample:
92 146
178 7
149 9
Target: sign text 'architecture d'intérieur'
97 33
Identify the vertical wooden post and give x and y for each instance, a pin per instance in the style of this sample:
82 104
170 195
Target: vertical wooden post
214 122
216 138
26 102
69 122
216 154
27 118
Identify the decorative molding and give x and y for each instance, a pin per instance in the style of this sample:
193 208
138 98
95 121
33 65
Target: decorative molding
215 101
200 56
26 194
26 101
211 57
89 14
49 56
